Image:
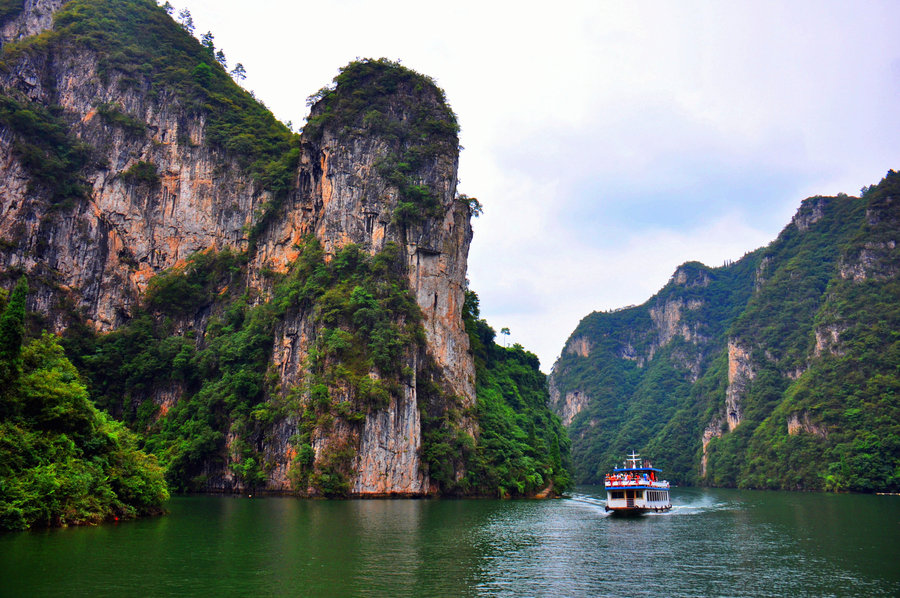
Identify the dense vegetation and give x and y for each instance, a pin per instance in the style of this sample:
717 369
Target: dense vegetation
62 461
636 387
52 157
367 321
818 312
522 448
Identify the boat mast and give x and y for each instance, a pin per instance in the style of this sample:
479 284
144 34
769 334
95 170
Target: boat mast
634 459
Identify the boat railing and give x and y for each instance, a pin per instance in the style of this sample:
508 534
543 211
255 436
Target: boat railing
614 483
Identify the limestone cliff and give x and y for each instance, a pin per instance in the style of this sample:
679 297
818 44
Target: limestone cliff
770 372
162 174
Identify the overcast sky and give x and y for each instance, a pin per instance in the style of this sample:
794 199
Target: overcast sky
608 141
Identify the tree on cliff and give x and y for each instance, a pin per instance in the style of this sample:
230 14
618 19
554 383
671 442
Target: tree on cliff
239 72
186 20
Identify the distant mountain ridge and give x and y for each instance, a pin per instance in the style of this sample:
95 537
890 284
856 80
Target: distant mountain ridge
780 370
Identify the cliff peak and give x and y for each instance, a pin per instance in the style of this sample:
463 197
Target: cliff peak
691 274
382 97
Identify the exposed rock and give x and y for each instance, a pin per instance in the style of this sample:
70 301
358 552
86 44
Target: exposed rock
873 261
628 352
342 199
761 272
580 346
203 199
569 405
667 319
689 275
800 422
811 211
740 373
574 402
713 430
388 461
35 17
828 340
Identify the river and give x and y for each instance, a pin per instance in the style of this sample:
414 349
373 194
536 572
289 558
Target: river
713 543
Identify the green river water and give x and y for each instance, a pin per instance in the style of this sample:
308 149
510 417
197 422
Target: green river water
712 543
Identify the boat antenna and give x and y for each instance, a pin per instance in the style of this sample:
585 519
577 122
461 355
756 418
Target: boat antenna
634 459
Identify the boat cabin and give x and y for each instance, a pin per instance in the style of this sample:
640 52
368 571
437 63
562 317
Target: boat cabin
636 488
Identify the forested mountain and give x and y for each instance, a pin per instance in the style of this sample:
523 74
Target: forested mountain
780 370
268 310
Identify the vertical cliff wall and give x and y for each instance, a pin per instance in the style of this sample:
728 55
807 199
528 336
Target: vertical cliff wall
99 244
170 160
357 174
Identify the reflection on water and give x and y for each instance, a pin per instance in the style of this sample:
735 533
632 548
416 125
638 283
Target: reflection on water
712 542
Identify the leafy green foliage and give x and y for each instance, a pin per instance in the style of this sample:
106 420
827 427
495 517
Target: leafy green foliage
367 319
368 315
53 158
12 330
202 337
223 379
364 95
114 114
637 389
183 290
62 461
141 172
522 448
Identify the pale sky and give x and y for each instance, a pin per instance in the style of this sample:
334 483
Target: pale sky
608 141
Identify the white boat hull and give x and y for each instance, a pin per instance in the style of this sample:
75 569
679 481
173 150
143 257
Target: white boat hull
637 499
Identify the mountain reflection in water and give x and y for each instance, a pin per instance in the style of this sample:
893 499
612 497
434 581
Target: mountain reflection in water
712 543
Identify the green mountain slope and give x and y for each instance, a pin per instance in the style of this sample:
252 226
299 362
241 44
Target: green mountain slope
777 371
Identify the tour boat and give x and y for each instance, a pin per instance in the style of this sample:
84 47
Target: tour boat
635 489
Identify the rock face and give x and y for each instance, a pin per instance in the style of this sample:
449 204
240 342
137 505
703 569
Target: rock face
753 374
740 373
713 430
97 257
36 16
108 247
569 405
800 422
612 359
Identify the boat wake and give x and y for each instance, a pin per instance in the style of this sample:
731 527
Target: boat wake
695 505
589 500
699 504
